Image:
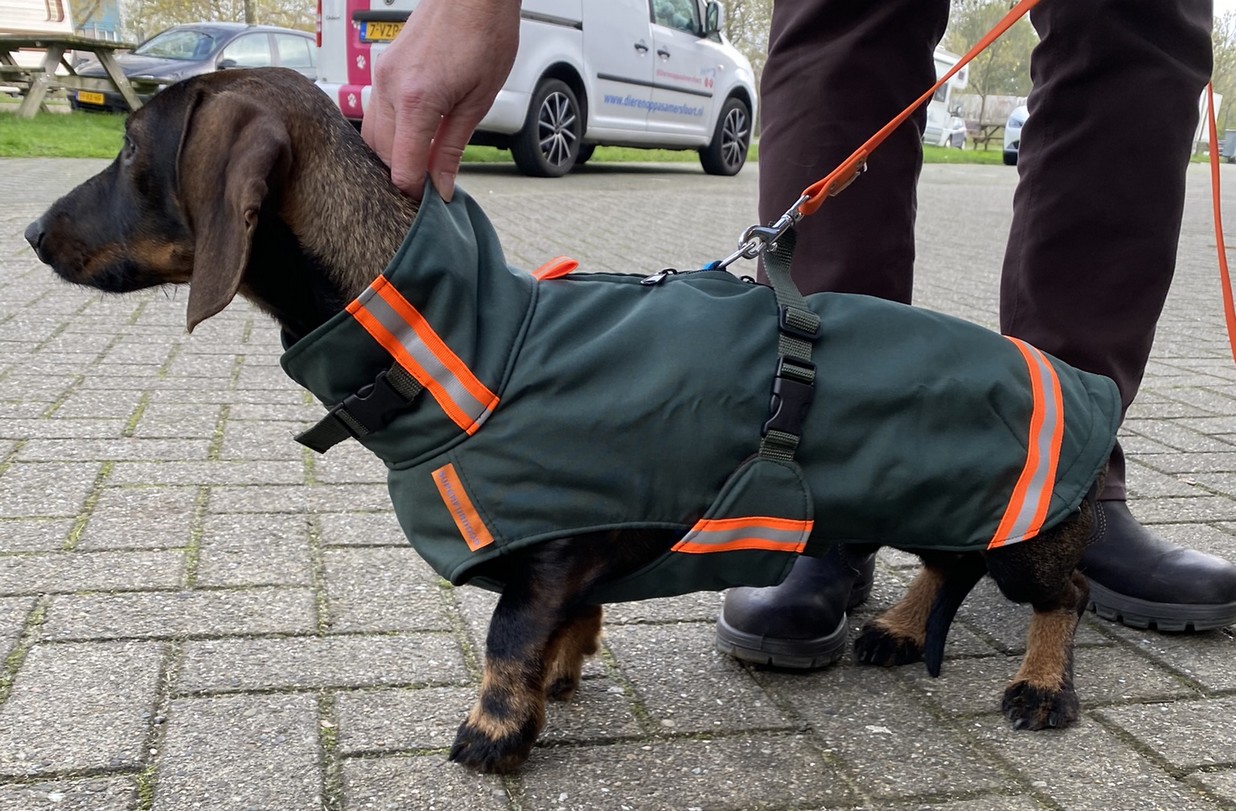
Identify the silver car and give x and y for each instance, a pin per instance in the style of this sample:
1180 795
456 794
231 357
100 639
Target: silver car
1012 134
188 50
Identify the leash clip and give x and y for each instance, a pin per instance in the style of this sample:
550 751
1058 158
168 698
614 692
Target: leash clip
758 238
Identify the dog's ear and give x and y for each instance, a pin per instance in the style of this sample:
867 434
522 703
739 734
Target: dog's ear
232 152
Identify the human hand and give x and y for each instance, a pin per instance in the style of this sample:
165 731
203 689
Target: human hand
435 83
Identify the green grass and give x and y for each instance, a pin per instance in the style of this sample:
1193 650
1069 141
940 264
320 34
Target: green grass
95 135
59 135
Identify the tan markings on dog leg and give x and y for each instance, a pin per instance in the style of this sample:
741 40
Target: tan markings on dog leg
565 655
505 704
908 618
1049 643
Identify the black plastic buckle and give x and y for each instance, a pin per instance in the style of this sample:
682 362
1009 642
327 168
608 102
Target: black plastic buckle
783 320
374 406
791 398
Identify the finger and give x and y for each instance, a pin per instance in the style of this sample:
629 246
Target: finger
414 127
447 152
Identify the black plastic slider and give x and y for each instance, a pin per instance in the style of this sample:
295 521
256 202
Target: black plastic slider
791 397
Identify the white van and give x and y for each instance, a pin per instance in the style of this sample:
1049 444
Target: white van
35 17
945 126
644 73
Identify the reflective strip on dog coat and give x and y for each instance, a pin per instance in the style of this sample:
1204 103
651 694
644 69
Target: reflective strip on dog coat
590 402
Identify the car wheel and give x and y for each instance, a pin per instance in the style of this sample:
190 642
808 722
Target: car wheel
1010 158
728 151
548 144
585 152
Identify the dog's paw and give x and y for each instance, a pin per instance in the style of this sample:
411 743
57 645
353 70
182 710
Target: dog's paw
1031 707
562 689
877 645
485 747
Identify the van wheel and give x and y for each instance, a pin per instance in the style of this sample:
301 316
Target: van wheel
728 151
549 141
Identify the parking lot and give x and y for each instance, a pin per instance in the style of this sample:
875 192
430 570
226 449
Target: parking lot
197 613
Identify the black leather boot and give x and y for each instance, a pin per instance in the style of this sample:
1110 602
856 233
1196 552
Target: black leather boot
800 623
1139 579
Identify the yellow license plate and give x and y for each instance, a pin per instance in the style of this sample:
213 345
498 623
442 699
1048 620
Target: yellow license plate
88 97
379 31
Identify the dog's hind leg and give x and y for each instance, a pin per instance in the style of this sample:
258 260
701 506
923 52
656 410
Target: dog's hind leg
917 625
576 640
1043 572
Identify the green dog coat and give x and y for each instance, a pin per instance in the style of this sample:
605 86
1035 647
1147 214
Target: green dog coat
580 403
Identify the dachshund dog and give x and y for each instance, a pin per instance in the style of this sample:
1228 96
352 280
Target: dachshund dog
251 183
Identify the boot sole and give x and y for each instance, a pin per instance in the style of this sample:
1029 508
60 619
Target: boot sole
1171 617
792 654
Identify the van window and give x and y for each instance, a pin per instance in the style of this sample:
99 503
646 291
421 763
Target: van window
683 15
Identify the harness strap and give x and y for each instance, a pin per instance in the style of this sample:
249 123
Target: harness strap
370 409
794 381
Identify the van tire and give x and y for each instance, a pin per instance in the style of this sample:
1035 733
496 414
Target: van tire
548 143
728 151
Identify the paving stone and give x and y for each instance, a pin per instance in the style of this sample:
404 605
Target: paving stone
1206 657
141 517
266 441
225 665
393 720
88 794
13 614
174 421
426 783
1187 734
687 686
238 753
703 606
300 498
124 448
93 404
207 473
1220 784
1086 767
46 488
181 613
382 589
869 720
361 529
63 572
79 707
28 428
253 550
723 773
34 534
349 462
1102 676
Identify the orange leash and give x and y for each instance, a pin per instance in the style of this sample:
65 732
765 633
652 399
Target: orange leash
1229 310
852 166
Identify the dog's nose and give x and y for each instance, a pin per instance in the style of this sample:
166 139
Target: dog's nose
34 235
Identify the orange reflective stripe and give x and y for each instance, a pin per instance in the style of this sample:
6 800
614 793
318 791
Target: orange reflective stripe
403 332
1031 497
757 532
475 534
555 268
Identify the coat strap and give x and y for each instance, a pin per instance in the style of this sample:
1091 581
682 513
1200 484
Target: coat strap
370 409
794 380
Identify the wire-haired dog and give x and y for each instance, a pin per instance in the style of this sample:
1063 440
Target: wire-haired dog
532 450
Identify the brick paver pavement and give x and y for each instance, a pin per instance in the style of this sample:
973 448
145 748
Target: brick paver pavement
196 613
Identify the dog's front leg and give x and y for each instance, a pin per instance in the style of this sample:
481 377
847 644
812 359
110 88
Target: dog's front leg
538 637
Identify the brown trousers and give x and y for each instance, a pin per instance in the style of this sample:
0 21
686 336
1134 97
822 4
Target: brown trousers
1096 215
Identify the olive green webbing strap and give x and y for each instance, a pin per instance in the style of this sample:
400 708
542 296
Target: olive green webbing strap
794 383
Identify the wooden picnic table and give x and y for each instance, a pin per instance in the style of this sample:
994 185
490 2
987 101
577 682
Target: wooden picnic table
35 82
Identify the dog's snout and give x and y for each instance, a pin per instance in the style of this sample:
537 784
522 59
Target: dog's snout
34 235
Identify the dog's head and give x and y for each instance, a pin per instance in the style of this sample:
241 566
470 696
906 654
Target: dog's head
181 201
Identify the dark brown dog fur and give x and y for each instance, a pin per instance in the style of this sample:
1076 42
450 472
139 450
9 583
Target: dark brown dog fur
224 172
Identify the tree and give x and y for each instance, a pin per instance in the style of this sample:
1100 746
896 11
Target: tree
1000 75
1224 75
746 26
146 17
